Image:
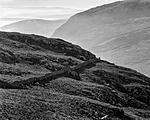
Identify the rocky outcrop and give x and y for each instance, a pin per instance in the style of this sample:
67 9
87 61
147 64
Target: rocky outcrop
7 56
6 85
65 72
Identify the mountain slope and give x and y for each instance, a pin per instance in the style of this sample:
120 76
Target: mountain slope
34 26
117 32
44 78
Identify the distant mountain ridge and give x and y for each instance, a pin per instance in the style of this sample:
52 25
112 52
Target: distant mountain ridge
117 32
34 26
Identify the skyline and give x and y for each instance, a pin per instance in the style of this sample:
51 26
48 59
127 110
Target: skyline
84 4
16 10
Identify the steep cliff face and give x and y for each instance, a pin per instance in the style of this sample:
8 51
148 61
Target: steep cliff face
45 78
118 32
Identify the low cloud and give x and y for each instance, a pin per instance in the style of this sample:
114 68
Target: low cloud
13 14
38 12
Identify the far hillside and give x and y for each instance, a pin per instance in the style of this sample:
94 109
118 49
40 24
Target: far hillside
34 26
118 32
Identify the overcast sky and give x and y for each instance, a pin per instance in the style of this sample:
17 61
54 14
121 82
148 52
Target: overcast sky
12 10
61 3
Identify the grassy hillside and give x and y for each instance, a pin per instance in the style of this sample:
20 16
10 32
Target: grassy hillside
50 79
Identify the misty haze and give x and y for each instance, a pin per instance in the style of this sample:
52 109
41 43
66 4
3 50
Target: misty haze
74 60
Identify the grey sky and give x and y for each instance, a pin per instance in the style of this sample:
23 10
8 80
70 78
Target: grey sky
12 10
61 3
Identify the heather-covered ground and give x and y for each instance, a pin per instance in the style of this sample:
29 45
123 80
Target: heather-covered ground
50 79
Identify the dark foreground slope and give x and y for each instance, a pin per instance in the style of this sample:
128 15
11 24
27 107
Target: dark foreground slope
50 79
118 32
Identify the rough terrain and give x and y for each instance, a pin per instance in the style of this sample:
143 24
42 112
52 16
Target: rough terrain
50 79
